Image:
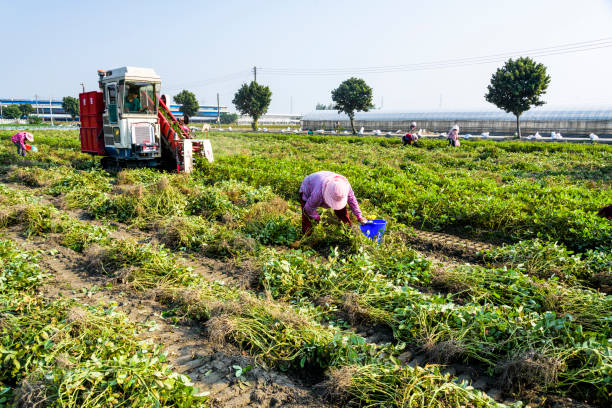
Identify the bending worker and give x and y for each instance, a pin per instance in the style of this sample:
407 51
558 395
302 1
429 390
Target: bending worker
328 190
412 135
19 139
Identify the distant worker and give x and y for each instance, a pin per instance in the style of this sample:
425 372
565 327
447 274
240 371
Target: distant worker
19 139
327 190
132 103
453 136
410 137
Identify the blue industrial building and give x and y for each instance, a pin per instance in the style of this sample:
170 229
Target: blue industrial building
52 109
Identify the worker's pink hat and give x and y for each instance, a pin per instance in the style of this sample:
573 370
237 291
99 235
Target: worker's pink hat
29 136
335 192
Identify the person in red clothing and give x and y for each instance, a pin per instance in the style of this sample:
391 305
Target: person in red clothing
328 190
411 136
19 139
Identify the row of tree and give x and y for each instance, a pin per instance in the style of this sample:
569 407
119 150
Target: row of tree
17 111
25 110
515 88
251 99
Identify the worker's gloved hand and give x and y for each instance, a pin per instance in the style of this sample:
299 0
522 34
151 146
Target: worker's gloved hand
363 221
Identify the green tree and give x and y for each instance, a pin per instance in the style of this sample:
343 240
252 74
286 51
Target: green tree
35 120
253 100
322 106
11 112
352 95
517 86
189 103
26 109
71 106
228 118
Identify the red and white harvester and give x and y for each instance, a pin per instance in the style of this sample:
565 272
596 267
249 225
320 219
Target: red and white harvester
128 123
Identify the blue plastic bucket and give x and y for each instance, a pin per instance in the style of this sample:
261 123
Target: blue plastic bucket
374 229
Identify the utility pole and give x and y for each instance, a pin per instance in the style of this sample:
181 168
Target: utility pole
83 86
36 98
255 73
218 111
51 111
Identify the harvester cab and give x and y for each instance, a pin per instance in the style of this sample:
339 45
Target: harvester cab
128 123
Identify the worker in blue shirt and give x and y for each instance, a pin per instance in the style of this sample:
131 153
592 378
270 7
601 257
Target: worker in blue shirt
132 103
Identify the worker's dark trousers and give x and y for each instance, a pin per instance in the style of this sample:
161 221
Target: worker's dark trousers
307 224
20 150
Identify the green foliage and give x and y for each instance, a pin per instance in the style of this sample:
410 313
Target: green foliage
540 258
228 118
20 270
26 109
550 259
11 112
393 385
71 106
352 95
253 100
517 86
272 231
65 354
189 103
35 120
516 190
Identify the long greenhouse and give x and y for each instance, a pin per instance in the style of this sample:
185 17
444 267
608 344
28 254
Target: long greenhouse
571 122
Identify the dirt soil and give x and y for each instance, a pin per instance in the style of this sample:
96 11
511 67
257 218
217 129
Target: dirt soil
211 367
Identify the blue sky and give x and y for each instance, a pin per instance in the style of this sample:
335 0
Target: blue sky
211 46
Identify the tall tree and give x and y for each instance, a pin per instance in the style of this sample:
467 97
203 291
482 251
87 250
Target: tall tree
517 86
26 109
352 95
189 103
253 100
11 112
71 106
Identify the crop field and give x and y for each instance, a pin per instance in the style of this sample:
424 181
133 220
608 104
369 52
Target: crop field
492 286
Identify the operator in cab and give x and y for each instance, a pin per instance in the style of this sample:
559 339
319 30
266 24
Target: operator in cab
132 103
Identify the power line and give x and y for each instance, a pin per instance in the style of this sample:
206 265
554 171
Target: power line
602 43
451 63
211 81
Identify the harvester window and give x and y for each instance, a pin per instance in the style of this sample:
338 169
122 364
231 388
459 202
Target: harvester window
112 103
139 98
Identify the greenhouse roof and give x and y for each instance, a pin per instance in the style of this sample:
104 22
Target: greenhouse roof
540 114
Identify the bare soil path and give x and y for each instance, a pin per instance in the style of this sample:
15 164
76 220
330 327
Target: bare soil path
211 367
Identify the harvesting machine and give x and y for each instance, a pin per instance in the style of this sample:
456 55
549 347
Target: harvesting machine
129 124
